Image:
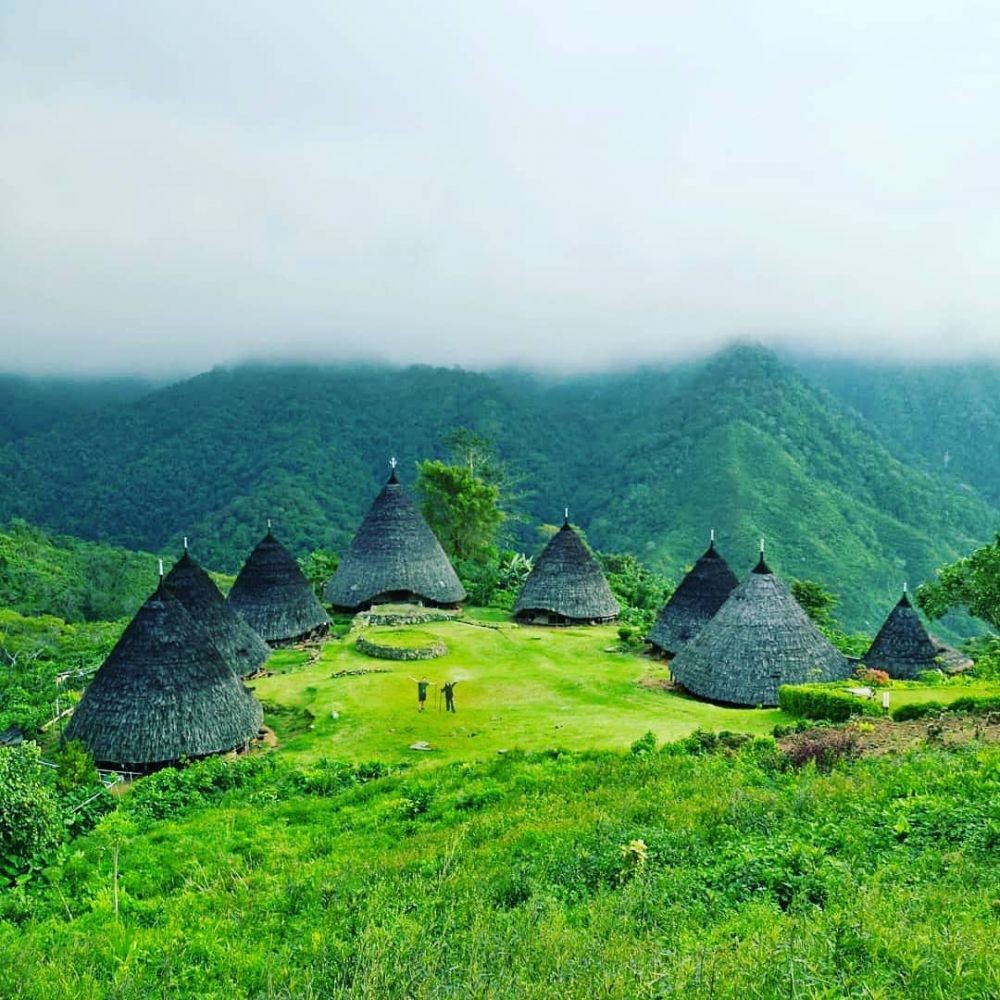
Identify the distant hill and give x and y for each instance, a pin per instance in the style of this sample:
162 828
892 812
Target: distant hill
30 405
647 462
944 417
43 574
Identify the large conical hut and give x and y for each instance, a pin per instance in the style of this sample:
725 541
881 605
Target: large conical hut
164 693
566 586
697 598
241 647
275 598
394 558
758 640
903 648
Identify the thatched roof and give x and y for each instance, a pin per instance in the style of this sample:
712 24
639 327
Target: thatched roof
163 693
758 640
241 647
394 557
949 659
274 597
567 582
697 598
902 647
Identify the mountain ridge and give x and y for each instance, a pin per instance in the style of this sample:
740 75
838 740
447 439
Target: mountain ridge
648 461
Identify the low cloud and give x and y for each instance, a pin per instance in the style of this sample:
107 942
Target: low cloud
568 186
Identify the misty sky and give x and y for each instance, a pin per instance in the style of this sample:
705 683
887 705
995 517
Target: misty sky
569 184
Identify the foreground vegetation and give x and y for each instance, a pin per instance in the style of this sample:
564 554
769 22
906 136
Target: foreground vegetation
695 871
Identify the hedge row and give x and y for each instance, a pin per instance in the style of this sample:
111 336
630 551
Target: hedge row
813 701
970 704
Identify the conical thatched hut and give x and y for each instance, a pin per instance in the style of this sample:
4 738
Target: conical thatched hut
697 598
566 586
394 557
758 640
241 647
274 597
163 693
903 648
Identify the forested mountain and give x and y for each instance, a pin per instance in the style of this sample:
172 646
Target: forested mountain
42 574
647 462
945 417
31 405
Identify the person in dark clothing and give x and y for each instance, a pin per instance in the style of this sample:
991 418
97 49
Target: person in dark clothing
422 685
449 695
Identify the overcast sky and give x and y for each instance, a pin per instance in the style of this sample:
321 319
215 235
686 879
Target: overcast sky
571 184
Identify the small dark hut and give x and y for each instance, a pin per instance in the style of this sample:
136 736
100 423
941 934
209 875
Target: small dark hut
394 558
903 648
697 598
275 598
241 647
758 640
566 586
164 692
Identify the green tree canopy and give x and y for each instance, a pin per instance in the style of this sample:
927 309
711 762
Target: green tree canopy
462 509
815 600
972 583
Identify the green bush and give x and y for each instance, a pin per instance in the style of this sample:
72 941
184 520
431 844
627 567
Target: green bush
29 816
645 745
976 705
814 701
917 710
973 705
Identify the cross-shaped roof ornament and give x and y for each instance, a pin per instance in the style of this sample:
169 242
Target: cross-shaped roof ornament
393 463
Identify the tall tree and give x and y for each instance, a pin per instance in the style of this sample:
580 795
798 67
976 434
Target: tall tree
463 510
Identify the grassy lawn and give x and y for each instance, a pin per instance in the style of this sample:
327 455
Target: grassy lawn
519 688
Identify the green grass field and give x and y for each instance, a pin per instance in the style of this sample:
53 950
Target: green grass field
689 870
528 688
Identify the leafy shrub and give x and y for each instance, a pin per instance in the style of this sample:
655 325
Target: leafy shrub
327 777
704 741
29 817
173 789
474 799
75 767
969 704
917 710
873 676
416 803
931 678
976 706
814 701
644 745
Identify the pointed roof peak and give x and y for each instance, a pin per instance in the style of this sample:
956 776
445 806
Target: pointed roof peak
566 526
762 568
392 467
904 600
